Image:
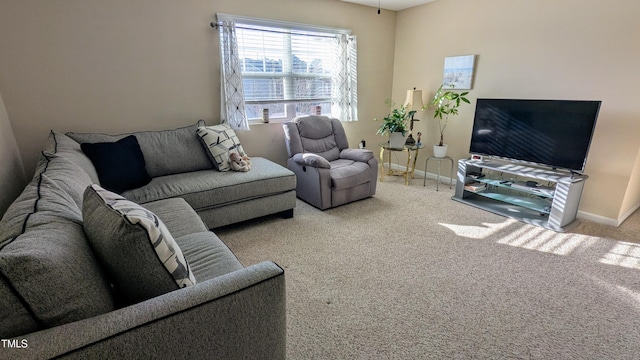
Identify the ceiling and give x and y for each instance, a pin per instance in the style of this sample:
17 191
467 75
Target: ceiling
395 5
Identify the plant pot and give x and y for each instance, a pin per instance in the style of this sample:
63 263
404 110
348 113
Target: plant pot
440 151
396 140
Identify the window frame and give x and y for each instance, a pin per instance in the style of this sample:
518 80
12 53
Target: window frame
291 28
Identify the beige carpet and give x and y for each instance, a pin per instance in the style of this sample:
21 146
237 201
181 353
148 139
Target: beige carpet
411 274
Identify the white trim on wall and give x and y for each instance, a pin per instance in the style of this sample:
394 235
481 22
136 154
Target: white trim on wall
607 221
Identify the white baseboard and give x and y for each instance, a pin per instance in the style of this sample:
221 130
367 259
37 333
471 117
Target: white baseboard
628 213
421 174
605 220
598 218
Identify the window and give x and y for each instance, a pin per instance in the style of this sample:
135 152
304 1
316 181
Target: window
295 69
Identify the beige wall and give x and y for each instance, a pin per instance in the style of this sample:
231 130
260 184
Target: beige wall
124 65
631 202
543 49
12 178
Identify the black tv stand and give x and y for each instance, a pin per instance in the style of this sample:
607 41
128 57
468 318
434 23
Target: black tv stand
553 206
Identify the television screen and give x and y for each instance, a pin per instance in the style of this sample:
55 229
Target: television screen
554 133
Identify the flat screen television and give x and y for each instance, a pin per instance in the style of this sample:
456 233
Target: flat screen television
552 133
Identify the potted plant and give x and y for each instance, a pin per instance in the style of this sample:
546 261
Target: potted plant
446 103
395 124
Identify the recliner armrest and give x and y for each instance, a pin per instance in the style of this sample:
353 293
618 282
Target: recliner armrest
310 159
362 155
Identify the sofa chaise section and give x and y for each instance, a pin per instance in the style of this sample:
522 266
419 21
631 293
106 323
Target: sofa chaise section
223 198
179 167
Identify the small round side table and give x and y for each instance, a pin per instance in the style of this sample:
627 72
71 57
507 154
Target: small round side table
409 170
439 160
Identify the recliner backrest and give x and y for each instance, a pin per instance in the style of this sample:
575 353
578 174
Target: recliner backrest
316 134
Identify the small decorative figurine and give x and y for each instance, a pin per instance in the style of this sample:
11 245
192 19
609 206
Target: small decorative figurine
419 135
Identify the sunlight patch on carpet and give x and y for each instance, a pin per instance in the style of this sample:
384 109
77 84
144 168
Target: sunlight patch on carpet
623 254
478 232
539 239
533 238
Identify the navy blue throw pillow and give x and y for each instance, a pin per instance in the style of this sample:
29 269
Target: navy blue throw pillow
120 165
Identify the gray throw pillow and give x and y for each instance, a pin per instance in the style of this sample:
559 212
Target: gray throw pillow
134 246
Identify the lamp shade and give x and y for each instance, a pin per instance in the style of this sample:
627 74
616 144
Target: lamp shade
414 100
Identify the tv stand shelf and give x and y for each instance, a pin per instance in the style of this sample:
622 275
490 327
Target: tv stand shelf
553 206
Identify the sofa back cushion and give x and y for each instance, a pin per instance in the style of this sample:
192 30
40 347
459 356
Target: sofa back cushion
49 274
165 152
62 145
68 175
59 163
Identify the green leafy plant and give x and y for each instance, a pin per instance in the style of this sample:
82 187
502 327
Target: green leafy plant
396 121
446 103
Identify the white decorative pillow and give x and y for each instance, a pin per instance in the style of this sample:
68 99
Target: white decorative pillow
141 257
220 141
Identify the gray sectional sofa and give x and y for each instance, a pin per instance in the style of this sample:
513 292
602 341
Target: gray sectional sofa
58 297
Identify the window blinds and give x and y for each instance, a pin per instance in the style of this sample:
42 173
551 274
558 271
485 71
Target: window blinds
280 65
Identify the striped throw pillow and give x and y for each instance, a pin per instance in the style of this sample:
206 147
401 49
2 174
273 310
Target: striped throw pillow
220 141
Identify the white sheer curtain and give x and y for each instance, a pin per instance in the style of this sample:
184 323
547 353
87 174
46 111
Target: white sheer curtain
344 92
232 109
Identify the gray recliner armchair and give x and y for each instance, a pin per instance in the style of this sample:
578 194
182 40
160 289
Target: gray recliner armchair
328 173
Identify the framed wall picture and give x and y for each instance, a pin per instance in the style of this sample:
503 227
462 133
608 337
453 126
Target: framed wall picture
458 71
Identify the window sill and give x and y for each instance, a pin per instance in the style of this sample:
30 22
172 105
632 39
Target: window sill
271 121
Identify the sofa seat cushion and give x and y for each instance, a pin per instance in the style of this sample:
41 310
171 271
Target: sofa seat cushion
49 274
348 173
178 216
207 255
210 189
134 246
